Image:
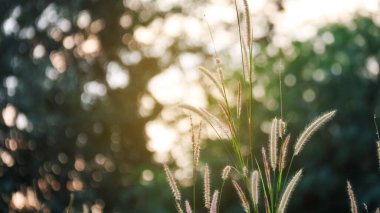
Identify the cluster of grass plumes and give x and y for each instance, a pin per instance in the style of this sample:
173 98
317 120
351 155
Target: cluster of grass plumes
261 184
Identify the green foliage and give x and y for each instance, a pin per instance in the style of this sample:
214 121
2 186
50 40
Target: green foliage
343 76
79 127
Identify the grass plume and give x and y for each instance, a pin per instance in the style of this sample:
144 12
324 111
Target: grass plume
314 126
351 196
210 76
239 101
255 187
188 207
179 208
172 183
288 192
206 187
220 128
226 172
284 153
214 202
281 128
247 18
243 198
273 144
266 167
195 142
224 128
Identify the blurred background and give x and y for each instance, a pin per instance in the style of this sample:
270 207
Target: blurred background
89 95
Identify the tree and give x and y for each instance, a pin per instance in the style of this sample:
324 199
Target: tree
73 74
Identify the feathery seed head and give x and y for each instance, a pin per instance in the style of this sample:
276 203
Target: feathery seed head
314 126
216 82
247 23
178 206
195 110
288 191
255 187
266 167
273 143
245 38
172 183
226 172
188 207
281 128
197 147
242 196
195 144
206 181
351 195
239 101
284 153
214 202
246 63
231 128
214 121
245 171
219 69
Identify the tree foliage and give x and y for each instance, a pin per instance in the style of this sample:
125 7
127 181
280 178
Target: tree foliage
72 77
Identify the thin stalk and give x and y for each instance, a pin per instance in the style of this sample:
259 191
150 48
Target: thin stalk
279 183
240 37
194 186
220 196
275 194
271 199
377 130
279 179
263 184
290 166
250 118
280 81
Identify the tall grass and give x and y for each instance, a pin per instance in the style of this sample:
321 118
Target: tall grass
261 185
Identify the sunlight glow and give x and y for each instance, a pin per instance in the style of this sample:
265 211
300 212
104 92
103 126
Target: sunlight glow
59 61
179 84
21 121
302 17
90 46
18 200
39 51
26 201
116 76
161 137
7 158
9 115
372 66
84 19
